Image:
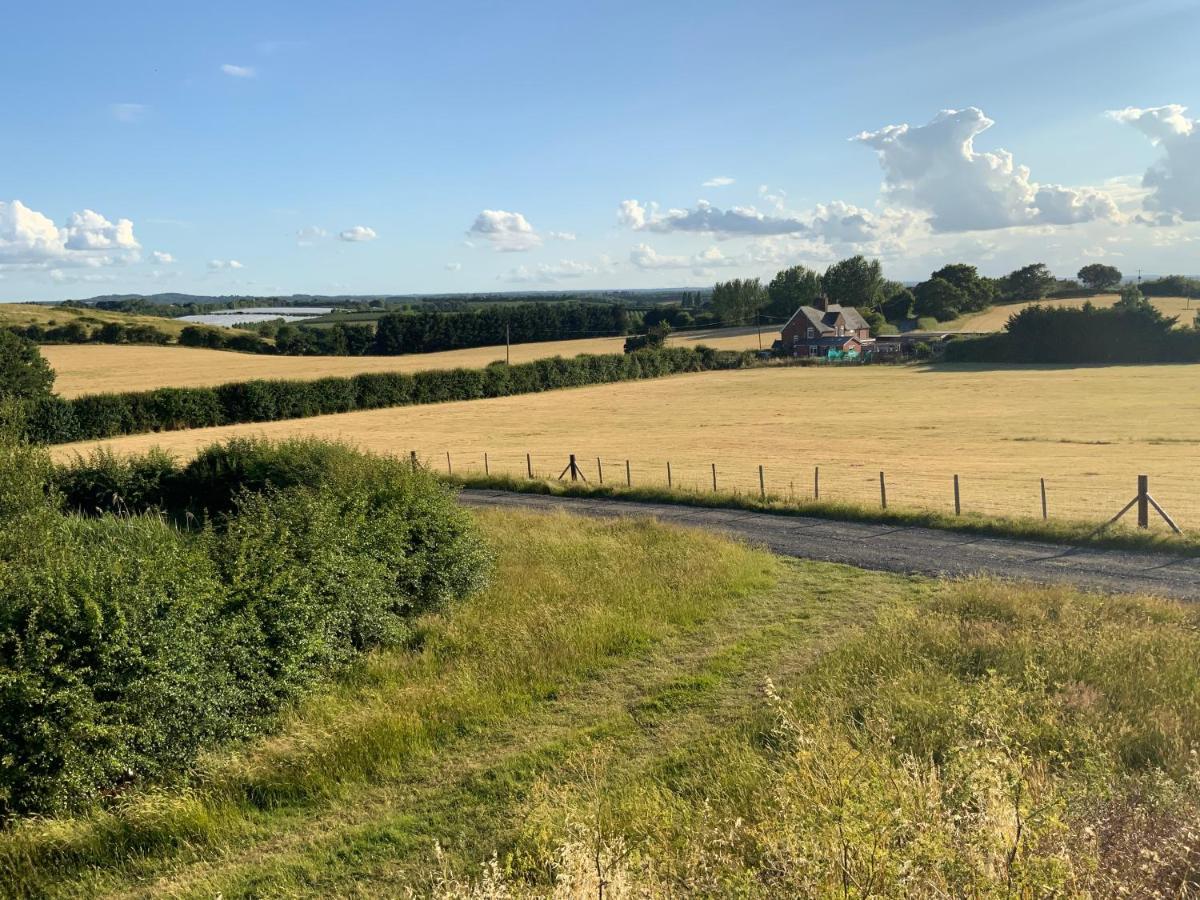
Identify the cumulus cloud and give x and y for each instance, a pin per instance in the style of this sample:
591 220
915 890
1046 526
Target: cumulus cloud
719 181
646 258
310 234
358 233
705 218
218 264
163 258
238 71
30 239
128 112
1173 182
935 168
509 232
547 273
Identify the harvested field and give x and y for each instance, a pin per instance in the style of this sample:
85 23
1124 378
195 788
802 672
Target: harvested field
997 317
100 368
1088 431
44 314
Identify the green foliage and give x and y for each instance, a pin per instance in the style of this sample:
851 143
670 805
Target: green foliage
938 299
107 333
1171 286
1032 282
856 282
655 338
24 374
55 420
128 645
737 302
792 288
899 305
1099 277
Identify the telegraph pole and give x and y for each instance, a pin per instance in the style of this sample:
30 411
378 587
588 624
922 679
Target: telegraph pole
507 360
758 321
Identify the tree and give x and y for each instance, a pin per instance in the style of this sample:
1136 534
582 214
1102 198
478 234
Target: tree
899 305
792 288
738 301
24 374
978 292
1099 277
1030 282
939 298
856 281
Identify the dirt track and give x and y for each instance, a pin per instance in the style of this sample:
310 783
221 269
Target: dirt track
891 548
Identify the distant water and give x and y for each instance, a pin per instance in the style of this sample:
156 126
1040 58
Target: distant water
251 314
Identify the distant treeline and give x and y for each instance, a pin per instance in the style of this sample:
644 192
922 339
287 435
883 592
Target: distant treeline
53 420
78 333
1133 331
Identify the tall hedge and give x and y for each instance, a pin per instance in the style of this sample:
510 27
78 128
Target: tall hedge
130 642
57 420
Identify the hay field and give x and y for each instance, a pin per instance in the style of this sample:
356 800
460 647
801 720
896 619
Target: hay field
100 368
996 318
43 314
1088 431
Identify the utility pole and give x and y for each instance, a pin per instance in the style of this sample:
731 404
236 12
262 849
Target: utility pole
758 322
507 360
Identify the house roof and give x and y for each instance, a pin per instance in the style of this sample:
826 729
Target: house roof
826 320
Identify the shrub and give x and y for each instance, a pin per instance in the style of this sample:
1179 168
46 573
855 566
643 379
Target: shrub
24 374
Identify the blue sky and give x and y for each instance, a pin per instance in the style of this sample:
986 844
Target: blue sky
383 147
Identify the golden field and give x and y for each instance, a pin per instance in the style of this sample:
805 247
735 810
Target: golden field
42 314
997 317
1087 431
101 368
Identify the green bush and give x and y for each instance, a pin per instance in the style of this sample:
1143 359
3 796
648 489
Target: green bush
130 642
24 374
97 416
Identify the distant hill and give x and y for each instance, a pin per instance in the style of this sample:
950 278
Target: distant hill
648 295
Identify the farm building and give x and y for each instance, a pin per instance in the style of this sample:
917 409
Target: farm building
826 329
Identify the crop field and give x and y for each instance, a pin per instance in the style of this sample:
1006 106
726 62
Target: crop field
1088 431
997 317
42 314
101 368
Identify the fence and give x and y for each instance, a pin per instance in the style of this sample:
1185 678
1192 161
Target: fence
977 488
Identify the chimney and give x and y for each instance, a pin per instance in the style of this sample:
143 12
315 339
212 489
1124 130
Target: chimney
822 302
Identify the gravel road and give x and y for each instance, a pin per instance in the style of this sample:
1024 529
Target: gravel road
891 548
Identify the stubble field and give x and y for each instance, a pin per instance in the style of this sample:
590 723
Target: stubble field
1087 431
997 317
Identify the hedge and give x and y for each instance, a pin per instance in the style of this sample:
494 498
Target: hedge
129 644
56 420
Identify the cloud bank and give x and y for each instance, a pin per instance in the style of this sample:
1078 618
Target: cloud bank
30 239
1174 180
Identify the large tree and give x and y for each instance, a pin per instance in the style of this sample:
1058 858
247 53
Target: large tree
792 288
24 374
739 301
1099 277
978 292
856 281
1032 282
939 298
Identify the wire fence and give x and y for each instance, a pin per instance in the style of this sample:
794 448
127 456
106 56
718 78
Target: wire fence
976 489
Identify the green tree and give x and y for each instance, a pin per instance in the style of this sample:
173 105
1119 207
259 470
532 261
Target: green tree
1099 277
24 374
939 298
978 292
856 281
739 300
1030 282
792 288
899 305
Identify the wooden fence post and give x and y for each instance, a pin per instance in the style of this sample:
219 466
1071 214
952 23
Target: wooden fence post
762 484
628 477
1044 511
412 459
600 470
486 469
714 468
669 482
816 482
529 466
882 491
1143 502
957 500
449 468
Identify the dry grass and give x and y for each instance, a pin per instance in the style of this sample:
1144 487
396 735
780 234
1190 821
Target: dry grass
996 318
42 314
1087 431
99 368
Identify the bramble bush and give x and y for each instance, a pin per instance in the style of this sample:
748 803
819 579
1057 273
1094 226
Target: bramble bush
150 610
53 420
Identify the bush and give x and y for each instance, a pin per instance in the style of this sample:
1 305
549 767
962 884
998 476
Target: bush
129 644
24 374
94 416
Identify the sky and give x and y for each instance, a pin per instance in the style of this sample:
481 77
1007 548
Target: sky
371 147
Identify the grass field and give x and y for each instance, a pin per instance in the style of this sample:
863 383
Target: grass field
676 715
97 368
997 317
43 314
1089 431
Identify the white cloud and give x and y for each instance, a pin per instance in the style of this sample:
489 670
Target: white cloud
561 235
546 273
238 71
217 264
1174 180
936 169
163 258
29 239
706 219
719 181
128 112
453 267
509 232
358 233
310 234
645 257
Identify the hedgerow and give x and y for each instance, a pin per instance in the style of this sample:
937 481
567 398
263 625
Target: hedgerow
56 420
150 610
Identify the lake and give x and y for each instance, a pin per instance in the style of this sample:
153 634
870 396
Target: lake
251 314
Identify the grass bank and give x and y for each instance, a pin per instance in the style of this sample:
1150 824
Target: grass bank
1056 531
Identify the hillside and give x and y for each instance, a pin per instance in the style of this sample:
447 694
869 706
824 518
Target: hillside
995 318
45 314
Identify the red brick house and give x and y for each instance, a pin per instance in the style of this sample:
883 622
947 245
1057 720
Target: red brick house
814 331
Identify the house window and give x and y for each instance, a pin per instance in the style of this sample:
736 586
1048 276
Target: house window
810 333
812 348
